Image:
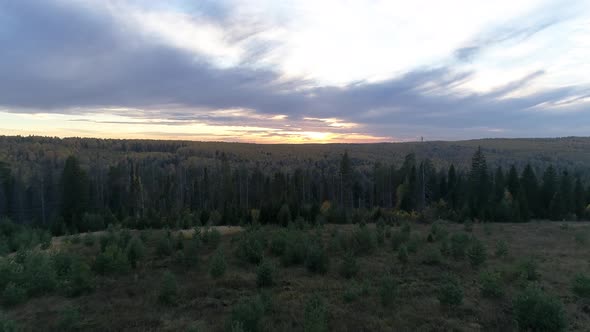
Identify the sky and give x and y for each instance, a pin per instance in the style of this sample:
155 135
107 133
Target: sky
295 71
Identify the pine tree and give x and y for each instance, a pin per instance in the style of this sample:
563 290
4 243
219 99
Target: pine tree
74 191
579 198
548 190
479 185
530 189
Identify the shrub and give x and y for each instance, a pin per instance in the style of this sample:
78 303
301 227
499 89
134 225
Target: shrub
501 249
354 291
315 318
402 254
265 274
135 251
38 274
69 319
459 243
413 244
168 289
537 311
477 253
75 239
581 237
432 256
191 257
380 233
211 237
398 239
362 241
529 269
439 231
468 225
79 279
450 292
89 240
296 250
349 266
217 266
250 247
387 290
278 243
316 258
491 285
247 314
164 246
581 286
445 248
13 294
7 325
112 260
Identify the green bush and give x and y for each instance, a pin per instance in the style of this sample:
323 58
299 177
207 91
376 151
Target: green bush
218 265
477 253
439 231
349 267
530 269
168 289
536 311
402 254
399 238
355 291
164 246
247 314
89 240
251 247
459 244
380 233
135 251
296 249
112 260
450 292
315 317
501 249
387 290
211 237
62 262
69 319
316 258
414 244
432 256
490 285
38 274
468 225
265 274
79 280
7 325
362 241
13 294
278 243
445 248
191 257
581 286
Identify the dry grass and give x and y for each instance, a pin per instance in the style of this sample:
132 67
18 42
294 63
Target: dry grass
129 303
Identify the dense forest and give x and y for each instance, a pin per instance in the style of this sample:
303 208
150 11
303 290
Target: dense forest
77 184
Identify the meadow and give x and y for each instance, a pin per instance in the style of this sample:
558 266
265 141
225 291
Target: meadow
384 276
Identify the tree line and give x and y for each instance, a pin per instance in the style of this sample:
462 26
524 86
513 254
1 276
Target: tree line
155 192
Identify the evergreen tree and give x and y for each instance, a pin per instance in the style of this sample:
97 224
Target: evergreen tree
548 191
478 185
579 198
530 189
513 182
74 192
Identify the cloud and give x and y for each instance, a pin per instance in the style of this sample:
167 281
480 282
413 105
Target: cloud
125 59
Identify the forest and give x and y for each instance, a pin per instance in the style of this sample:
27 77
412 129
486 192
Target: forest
191 236
163 184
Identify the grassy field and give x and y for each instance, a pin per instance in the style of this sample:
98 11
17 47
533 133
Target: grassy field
348 279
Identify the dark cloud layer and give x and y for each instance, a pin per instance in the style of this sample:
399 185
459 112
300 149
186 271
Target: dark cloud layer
64 57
